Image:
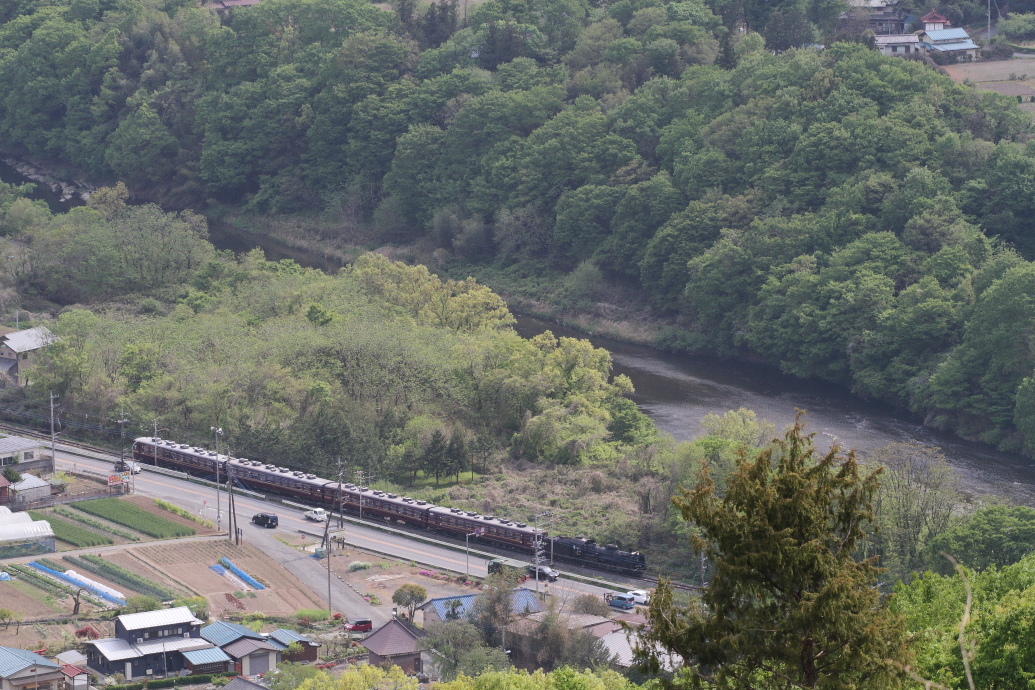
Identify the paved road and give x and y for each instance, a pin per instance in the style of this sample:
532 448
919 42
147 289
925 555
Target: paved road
313 573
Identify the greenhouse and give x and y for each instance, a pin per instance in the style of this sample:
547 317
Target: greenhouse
20 535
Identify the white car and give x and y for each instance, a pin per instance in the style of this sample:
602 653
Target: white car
640 596
316 514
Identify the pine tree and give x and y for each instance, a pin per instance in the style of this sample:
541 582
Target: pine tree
788 605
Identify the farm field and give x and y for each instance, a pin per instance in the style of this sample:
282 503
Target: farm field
996 76
187 565
141 518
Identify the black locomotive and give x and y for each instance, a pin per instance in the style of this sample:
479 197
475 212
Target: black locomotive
363 501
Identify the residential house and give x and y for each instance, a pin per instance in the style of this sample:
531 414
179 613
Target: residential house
251 652
522 603
30 489
148 644
308 649
30 455
932 21
5 491
898 44
879 16
24 670
954 42
396 644
19 352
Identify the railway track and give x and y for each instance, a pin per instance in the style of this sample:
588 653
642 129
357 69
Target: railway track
96 450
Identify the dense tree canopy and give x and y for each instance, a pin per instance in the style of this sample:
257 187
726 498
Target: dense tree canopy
844 214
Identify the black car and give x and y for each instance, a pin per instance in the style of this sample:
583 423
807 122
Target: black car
266 520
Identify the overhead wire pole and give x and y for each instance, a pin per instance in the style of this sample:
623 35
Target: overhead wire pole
537 544
53 442
341 504
363 478
231 502
122 449
216 433
327 555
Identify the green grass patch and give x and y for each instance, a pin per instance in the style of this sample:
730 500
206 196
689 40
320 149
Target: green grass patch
312 614
79 517
176 510
128 515
119 575
72 534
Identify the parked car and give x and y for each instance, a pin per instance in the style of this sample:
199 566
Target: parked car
620 601
640 596
360 625
545 573
316 514
128 466
266 520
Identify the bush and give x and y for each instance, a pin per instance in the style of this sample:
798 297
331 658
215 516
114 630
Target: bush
591 604
128 515
313 614
358 565
176 510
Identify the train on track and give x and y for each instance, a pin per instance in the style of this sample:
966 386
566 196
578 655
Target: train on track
364 501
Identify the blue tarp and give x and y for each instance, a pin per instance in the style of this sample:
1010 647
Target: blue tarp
217 569
78 583
248 579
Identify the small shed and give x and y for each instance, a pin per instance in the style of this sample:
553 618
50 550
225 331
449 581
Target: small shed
309 648
213 660
252 657
75 678
5 491
30 489
395 644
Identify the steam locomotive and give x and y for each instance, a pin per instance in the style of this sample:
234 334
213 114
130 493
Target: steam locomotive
364 501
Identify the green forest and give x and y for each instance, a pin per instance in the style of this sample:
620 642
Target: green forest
847 216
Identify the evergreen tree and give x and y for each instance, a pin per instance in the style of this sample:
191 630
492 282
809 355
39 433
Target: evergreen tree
788 605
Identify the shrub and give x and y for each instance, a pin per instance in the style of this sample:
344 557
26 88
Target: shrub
176 510
358 565
128 515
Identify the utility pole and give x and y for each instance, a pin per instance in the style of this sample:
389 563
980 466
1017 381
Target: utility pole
362 478
231 502
122 449
53 443
216 433
341 505
467 539
327 555
537 542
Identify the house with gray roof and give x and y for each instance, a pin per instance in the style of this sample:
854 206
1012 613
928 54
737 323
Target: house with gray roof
396 644
21 669
151 643
251 653
19 352
30 489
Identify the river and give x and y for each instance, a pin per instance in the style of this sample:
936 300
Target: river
677 391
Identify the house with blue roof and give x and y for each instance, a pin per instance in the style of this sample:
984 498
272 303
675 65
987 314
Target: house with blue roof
251 653
955 42
222 633
523 602
21 669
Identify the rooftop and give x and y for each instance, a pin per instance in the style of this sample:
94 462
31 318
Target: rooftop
286 637
13 660
393 638
221 633
16 444
242 683
30 481
948 35
896 39
212 655
29 339
155 619
522 601
246 646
